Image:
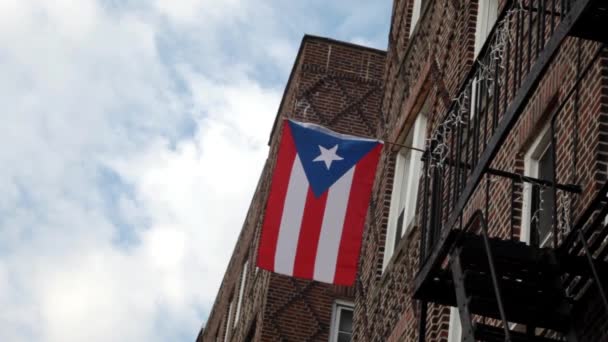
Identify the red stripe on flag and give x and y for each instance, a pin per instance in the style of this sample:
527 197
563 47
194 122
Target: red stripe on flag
354 222
276 200
308 241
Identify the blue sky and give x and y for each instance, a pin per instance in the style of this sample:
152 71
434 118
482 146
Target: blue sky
126 126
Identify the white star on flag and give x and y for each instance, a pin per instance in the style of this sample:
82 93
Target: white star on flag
328 156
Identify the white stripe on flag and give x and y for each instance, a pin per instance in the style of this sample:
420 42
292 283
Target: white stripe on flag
289 232
331 228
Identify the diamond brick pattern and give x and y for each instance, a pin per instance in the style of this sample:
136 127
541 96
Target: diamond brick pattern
338 85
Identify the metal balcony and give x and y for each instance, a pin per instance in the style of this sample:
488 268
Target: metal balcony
500 277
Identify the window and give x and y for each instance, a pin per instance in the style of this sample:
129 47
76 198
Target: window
228 321
537 221
252 331
481 94
342 322
487 12
474 94
416 10
408 167
241 292
455 331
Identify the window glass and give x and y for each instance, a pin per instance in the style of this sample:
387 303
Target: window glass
399 232
545 197
344 329
343 337
416 9
487 12
416 13
346 320
241 292
408 168
537 221
405 165
404 156
228 321
342 322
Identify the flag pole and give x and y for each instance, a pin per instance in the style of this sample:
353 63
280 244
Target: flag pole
404 146
384 141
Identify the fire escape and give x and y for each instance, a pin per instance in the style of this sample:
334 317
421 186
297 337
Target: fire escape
471 257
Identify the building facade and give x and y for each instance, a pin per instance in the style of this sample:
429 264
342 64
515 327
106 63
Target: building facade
488 215
337 85
493 227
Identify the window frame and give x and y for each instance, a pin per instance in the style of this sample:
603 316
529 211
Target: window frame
337 307
242 284
229 325
531 162
416 13
406 164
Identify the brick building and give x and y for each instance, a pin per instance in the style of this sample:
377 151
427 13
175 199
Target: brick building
338 85
493 226
488 233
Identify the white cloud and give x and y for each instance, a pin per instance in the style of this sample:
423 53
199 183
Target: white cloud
202 12
126 130
212 175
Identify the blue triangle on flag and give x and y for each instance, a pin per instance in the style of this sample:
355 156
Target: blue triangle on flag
326 155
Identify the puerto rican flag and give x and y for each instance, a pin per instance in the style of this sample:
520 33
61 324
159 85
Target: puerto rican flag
318 201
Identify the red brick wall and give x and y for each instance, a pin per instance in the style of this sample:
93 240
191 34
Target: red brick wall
338 85
428 66
431 65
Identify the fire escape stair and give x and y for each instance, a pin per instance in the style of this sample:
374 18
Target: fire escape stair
524 284
594 17
527 278
488 333
532 283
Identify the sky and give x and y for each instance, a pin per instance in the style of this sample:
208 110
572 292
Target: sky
132 135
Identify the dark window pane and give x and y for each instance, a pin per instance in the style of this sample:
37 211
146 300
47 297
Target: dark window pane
399 230
344 337
346 321
545 165
545 220
534 236
545 171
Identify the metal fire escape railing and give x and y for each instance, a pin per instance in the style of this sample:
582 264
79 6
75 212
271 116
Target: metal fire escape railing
520 48
518 52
